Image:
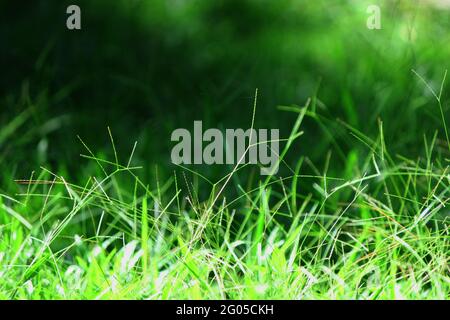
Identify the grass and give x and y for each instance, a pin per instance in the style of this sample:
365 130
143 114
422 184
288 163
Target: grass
358 210
379 231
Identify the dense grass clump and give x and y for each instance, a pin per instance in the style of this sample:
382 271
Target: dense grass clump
379 233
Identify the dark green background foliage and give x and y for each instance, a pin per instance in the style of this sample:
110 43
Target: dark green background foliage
145 68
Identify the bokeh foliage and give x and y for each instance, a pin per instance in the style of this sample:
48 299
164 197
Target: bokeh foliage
145 68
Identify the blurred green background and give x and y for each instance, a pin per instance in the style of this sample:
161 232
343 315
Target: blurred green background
145 68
